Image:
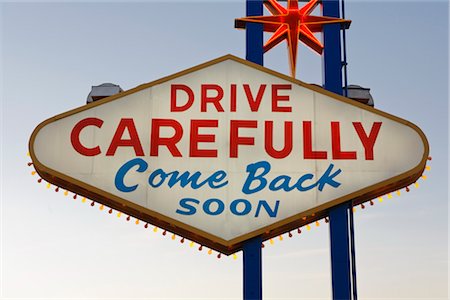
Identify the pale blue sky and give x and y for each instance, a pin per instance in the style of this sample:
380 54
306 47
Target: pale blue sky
55 247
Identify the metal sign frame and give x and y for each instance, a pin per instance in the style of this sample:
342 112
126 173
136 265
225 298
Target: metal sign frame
199 236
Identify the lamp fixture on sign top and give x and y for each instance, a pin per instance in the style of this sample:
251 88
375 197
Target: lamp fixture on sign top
103 90
292 24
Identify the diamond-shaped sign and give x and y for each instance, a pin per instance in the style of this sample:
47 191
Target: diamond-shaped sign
226 151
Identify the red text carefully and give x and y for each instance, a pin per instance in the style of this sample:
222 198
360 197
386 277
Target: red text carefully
367 137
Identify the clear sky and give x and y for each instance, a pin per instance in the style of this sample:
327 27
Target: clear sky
55 247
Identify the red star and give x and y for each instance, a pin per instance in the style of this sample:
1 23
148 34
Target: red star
292 24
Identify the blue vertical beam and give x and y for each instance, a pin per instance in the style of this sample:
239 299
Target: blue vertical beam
252 269
252 248
332 64
353 258
254 33
339 235
340 257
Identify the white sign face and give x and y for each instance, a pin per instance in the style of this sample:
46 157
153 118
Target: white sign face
226 151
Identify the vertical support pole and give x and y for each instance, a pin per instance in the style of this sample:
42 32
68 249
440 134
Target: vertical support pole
332 64
252 248
340 258
344 46
353 258
252 269
339 237
254 33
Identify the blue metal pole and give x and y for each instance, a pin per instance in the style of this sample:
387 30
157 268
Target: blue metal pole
340 257
254 33
332 64
252 269
344 45
252 248
353 258
339 236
